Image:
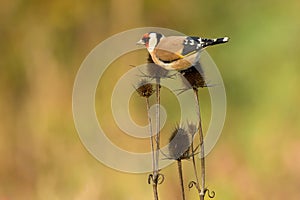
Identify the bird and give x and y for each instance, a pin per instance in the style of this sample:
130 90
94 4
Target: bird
176 52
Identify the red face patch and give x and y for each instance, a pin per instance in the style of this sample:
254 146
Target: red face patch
146 39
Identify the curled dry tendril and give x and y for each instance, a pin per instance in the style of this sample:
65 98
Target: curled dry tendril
159 179
211 194
192 184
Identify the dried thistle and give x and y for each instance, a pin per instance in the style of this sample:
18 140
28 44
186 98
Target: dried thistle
155 71
194 76
179 148
179 145
144 88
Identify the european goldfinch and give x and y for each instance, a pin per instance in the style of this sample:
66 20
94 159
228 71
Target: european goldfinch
176 52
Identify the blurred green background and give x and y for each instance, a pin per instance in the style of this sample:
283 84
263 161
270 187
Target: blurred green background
42 44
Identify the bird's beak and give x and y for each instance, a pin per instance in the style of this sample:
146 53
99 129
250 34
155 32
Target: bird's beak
140 42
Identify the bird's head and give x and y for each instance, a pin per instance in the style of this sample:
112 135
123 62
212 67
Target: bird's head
150 40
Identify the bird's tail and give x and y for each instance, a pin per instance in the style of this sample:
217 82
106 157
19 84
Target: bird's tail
210 42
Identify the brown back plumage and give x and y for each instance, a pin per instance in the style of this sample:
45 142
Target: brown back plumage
169 49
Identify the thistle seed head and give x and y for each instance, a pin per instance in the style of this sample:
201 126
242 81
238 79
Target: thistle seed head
179 144
194 76
144 88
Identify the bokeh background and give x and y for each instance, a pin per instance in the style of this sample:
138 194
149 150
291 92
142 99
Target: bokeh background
42 44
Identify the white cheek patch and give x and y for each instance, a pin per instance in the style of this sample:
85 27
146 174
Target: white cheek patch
152 42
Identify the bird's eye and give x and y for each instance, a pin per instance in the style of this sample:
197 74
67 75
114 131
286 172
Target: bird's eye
146 39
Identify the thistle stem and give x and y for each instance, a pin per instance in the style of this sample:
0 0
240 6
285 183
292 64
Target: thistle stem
151 143
157 121
157 139
181 178
202 153
194 165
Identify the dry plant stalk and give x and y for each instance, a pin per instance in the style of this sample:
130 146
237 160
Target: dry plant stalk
157 73
145 89
181 144
202 153
179 147
194 76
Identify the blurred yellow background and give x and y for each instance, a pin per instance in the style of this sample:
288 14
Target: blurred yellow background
42 44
